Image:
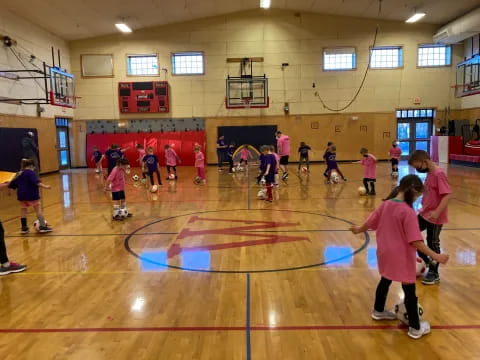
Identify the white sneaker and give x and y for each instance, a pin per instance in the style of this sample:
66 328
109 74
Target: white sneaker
424 330
384 315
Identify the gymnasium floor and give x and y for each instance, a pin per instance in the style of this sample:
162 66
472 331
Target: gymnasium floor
272 281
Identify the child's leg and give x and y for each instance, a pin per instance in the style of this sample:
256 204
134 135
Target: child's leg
307 160
3 249
411 304
152 181
201 173
433 242
158 177
340 173
365 184
230 164
23 218
381 294
38 211
423 224
372 186
269 191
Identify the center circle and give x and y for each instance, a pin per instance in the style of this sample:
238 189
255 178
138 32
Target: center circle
244 241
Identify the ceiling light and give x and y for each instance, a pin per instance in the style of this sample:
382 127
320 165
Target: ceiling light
415 17
123 27
265 4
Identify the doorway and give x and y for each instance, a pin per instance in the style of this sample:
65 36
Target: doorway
414 128
63 143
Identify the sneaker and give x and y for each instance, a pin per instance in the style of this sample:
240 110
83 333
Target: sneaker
372 193
424 330
45 229
285 176
344 179
25 230
269 200
13 268
383 315
431 278
118 218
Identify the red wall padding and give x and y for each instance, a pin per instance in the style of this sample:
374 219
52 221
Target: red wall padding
455 145
183 144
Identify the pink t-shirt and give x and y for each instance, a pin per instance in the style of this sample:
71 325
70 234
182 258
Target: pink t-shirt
369 167
199 160
141 155
436 186
396 226
171 157
245 154
117 178
283 145
277 157
395 153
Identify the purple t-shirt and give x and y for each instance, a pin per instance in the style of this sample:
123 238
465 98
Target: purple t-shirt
113 156
272 161
97 155
263 164
331 158
27 186
151 161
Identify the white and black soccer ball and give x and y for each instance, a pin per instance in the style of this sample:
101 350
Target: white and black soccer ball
401 312
154 188
135 177
197 180
123 212
171 176
36 225
395 174
262 194
97 171
263 181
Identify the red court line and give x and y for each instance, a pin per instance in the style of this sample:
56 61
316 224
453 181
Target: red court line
235 328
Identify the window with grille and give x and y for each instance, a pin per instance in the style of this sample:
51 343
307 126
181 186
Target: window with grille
386 57
339 59
142 65
434 55
188 63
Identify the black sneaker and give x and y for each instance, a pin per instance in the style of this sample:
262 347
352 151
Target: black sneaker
431 278
25 230
45 229
13 268
372 193
285 176
344 179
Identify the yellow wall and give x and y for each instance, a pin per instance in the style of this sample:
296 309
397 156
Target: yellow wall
279 36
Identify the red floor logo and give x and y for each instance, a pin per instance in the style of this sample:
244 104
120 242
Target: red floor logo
258 230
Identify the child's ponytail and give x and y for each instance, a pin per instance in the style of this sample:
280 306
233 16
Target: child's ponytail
410 186
393 194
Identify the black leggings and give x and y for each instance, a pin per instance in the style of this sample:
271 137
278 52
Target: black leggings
433 241
152 181
170 167
411 300
3 249
367 181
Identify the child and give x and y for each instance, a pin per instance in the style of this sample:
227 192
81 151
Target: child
27 185
331 157
141 164
244 156
398 238
369 163
200 164
303 155
395 153
113 155
269 173
7 266
277 169
261 160
325 157
97 157
151 162
171 159
230 152
283 149
434 212
117 179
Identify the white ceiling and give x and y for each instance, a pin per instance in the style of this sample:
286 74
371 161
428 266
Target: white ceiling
77 19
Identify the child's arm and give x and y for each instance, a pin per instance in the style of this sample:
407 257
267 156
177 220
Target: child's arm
359 229
266 170
441 207
373 157
42 185
420 246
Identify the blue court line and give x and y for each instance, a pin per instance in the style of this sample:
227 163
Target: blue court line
247 326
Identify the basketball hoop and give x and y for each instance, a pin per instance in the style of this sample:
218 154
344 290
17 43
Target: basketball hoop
246 102
461 90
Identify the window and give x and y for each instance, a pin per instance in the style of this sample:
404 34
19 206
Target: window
386 57
339 59
142 65
434 55
188 63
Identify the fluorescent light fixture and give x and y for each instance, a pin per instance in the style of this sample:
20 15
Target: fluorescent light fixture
265 4
415 17
123 27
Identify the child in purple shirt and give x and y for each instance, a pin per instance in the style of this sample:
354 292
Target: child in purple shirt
331 159
398 239
27 185
151 162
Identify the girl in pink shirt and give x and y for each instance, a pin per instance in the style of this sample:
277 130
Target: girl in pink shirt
244 156
200 165
117 181
398 239
141 164
369 163
395 154
171 159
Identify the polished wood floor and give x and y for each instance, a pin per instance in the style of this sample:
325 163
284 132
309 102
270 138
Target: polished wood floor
210 272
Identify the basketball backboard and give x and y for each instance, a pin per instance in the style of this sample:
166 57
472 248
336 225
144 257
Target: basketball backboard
244 93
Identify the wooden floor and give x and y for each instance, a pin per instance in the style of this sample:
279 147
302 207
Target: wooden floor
210 272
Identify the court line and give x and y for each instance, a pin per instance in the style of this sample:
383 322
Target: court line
247 325
248 189
232 328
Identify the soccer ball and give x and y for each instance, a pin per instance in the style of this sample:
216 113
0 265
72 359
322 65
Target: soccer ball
233 169
362 191
262 194
135 177
36 225
97 171
304 169
123 212
421 266
154 188
401 312
263 181
171 176
395 174
197 180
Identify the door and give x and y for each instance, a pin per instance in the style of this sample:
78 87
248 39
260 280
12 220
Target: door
414 128
63 144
